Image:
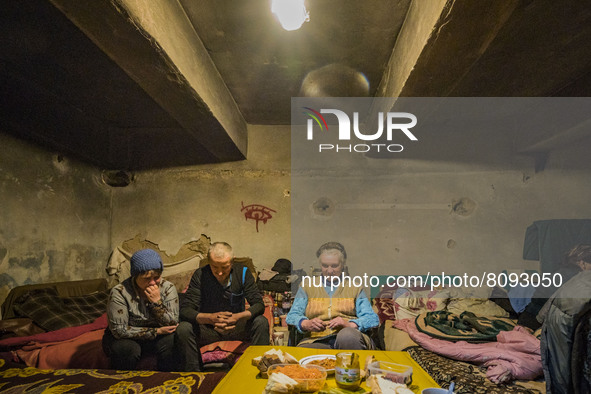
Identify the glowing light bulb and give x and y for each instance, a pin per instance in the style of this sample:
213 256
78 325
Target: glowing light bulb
291 13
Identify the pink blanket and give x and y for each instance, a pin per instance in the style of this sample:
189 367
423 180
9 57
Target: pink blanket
515 355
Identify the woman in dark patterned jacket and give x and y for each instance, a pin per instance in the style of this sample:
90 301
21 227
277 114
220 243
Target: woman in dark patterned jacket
143 313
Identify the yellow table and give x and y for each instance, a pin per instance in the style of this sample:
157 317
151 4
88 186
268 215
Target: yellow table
243 379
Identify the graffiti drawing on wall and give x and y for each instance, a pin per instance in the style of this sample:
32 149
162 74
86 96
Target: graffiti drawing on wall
257 212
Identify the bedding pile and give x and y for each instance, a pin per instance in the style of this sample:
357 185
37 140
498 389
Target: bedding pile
515 354
461 326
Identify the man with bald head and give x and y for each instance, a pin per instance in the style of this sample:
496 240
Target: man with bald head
213 308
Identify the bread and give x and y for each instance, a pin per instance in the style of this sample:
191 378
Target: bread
379 385
368 361
271 357
281 384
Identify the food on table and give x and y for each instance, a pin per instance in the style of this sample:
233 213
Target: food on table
271 357
281 384
310 378
397 373
336 390
298 372
368 361
347 371
380 385
326 363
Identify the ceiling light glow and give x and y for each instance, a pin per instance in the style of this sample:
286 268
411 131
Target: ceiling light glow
291 13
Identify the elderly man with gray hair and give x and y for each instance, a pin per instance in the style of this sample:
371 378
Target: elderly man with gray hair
214 309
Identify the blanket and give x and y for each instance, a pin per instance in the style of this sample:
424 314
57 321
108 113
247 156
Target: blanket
83 351
466 326
81 347
515 355
63 334
468 378
14 378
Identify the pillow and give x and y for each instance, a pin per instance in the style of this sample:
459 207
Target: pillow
51 312
384 302
90 305
475 300
408 304
384 307
478 306
223 352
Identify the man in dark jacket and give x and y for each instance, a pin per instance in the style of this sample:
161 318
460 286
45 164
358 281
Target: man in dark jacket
213 308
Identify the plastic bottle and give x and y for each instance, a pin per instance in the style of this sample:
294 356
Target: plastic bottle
276 315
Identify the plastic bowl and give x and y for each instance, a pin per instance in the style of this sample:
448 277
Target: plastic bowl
397 373
307 385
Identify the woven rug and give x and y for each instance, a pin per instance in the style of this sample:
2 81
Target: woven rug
16 378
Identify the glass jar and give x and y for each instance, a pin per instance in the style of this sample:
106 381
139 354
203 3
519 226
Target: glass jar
347 371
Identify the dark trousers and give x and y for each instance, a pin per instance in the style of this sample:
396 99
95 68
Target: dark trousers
190 337
125 354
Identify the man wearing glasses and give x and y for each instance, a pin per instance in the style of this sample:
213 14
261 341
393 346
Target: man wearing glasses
213 308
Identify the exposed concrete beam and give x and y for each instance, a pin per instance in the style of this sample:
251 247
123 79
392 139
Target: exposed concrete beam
432 53
459 38
169 62
412 39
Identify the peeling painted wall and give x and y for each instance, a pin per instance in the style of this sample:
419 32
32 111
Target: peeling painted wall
174 206
54 217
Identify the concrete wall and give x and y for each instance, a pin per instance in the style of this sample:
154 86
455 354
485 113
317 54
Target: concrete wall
462 207
60 222
54 217
174 206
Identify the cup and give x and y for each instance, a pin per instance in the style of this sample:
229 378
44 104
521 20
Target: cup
434 390
283 322
279 338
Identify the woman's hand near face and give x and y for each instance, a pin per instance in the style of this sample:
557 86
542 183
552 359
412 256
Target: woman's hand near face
152 293
313 325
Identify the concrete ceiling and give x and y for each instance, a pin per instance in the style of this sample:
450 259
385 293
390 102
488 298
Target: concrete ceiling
138 84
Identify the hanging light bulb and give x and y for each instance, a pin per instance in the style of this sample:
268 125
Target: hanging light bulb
291 13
